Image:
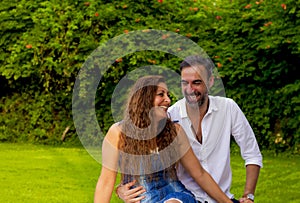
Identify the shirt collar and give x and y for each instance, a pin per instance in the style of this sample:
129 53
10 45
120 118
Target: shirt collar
212 104
183 111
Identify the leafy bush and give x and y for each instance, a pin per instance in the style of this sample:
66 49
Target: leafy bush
44 44
257 51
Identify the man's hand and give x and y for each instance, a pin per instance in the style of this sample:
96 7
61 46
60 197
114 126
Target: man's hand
130 195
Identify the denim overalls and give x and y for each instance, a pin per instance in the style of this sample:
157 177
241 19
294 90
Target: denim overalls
161 187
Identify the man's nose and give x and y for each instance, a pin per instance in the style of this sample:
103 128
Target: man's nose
189 88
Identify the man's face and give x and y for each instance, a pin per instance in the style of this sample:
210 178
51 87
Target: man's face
194 83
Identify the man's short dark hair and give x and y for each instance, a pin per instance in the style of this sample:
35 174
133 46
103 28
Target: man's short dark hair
197 60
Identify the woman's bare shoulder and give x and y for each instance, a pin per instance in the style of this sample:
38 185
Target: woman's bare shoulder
116 127
113 134
181 135
178 127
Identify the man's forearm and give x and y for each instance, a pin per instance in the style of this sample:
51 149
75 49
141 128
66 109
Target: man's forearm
252 173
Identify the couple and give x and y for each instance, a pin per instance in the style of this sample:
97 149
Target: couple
158 152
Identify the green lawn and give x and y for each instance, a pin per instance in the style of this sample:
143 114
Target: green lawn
279 179
35 173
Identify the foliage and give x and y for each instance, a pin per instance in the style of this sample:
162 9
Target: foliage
257 51
44 44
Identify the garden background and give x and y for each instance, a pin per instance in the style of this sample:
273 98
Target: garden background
254 44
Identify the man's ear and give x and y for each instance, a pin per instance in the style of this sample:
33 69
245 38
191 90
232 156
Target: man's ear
211 81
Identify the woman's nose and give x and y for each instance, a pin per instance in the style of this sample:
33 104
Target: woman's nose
167 99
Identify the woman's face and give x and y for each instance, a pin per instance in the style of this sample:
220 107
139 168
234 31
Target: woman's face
162 100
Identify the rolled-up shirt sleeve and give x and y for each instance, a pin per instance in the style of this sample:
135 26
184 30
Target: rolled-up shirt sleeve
245 137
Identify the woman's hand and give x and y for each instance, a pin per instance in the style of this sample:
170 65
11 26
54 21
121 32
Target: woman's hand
130 195
245 200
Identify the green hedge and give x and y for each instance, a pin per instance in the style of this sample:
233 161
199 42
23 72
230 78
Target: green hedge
255 46
258 47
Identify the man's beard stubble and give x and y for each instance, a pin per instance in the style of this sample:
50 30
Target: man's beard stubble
200 102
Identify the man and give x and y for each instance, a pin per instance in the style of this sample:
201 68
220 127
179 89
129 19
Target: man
209 122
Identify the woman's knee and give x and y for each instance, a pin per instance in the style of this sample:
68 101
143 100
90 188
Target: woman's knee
173 200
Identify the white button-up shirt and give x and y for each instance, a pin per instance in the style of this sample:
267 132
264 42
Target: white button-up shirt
223 119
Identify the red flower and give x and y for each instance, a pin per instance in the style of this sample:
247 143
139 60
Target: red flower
218 17
28 46
165 36
268 24
160 1
248 6
96 14
188 35
119 60
283 6
151 61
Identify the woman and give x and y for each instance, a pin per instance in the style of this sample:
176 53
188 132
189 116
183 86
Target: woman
146 145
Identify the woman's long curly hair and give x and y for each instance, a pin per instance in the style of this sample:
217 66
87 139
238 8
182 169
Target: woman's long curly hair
140 137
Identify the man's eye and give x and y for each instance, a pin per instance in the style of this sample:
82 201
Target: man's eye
197 82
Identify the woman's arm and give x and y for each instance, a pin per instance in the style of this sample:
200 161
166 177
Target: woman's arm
192 165
204 180
110 155
105 185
